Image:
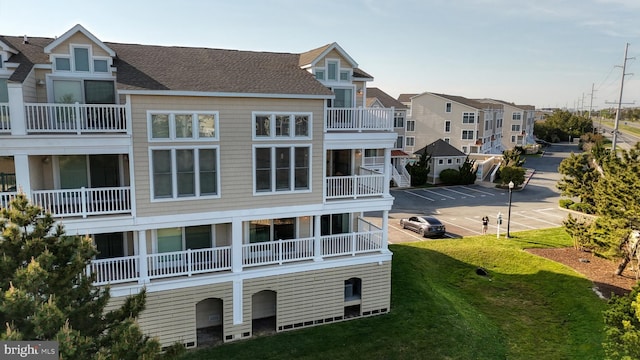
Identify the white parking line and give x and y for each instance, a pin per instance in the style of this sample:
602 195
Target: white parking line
537 219
458 192
545 212
414 194
476 190
437 193
404 231
462 227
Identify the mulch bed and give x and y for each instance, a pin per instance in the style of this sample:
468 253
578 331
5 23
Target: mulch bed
600 271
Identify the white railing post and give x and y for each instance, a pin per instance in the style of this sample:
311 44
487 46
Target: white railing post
280 252
317 240
142 257
353 243
83 201
236 246
189 262
16 109
354 189
385 231
78 121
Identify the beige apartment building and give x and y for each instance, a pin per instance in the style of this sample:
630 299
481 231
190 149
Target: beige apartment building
470 126
229 184
518 127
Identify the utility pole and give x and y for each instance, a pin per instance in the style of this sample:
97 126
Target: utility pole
617 120
591 102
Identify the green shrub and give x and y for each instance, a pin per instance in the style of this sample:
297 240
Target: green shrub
566 203
583 207
450 176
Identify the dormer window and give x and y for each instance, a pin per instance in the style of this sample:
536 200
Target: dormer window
345 75
332 70
81 60
100 65
62 64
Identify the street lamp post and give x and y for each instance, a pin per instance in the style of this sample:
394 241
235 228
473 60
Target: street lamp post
511 185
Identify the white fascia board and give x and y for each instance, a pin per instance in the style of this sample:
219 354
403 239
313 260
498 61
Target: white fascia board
250 273
65 145
222 94
383 139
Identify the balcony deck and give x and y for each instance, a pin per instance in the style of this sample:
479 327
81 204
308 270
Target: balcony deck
359 119
214 260
82 202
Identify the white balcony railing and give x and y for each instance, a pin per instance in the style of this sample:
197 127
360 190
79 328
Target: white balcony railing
5 121
277 252
368 239
352 243
354 186
6 197
75 118
189 262
113 271
84 201
360 119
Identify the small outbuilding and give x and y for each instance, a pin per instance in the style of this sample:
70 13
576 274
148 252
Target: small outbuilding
443 156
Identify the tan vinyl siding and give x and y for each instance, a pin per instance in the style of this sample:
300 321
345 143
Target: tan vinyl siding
332 55
302 299
76 39
236 152
41 90
29 88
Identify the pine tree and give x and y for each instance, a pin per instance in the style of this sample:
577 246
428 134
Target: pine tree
45 293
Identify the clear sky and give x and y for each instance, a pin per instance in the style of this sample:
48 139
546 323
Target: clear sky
546 53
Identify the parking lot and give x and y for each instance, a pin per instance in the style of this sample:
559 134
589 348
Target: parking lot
461 208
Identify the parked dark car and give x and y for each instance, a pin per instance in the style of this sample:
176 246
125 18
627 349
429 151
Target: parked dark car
427 226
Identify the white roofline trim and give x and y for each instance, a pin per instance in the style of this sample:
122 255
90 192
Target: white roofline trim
7 48
337 47
222 94
73 30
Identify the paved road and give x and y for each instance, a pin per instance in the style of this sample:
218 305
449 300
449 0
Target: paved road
461 208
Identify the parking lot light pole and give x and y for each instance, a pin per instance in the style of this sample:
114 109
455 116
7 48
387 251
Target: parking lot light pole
511 185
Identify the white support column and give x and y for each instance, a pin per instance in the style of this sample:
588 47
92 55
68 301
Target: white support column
387 170
236 245
385 231
317 240
23 180
237 302
16 109
142 257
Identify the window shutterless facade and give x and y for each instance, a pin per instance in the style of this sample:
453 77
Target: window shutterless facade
447 107
467 134
447 126
268 126
517 116
184 172
515 127
81 59
398 119
399 142
468 118
411 125
183 126
282 168
411 141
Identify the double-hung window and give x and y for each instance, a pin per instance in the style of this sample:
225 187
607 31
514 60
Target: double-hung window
282 168
180 172
515 127
468 118
189 169
467 134
411 125
447 126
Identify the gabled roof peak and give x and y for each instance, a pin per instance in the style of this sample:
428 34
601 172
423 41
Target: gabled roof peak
85 32
311 57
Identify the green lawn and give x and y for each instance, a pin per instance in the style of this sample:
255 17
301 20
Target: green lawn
622 127
527 308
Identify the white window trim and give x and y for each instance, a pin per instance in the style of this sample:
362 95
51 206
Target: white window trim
462 134
469 113
447 140
407 121
413 141
154 243
172 128
448 107
445 126
272 125
292 169
174 174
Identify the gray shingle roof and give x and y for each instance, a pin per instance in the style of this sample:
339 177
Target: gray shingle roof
146 67
149 67
405 98
386 100
440 148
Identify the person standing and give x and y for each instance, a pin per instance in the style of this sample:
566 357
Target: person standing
485 224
